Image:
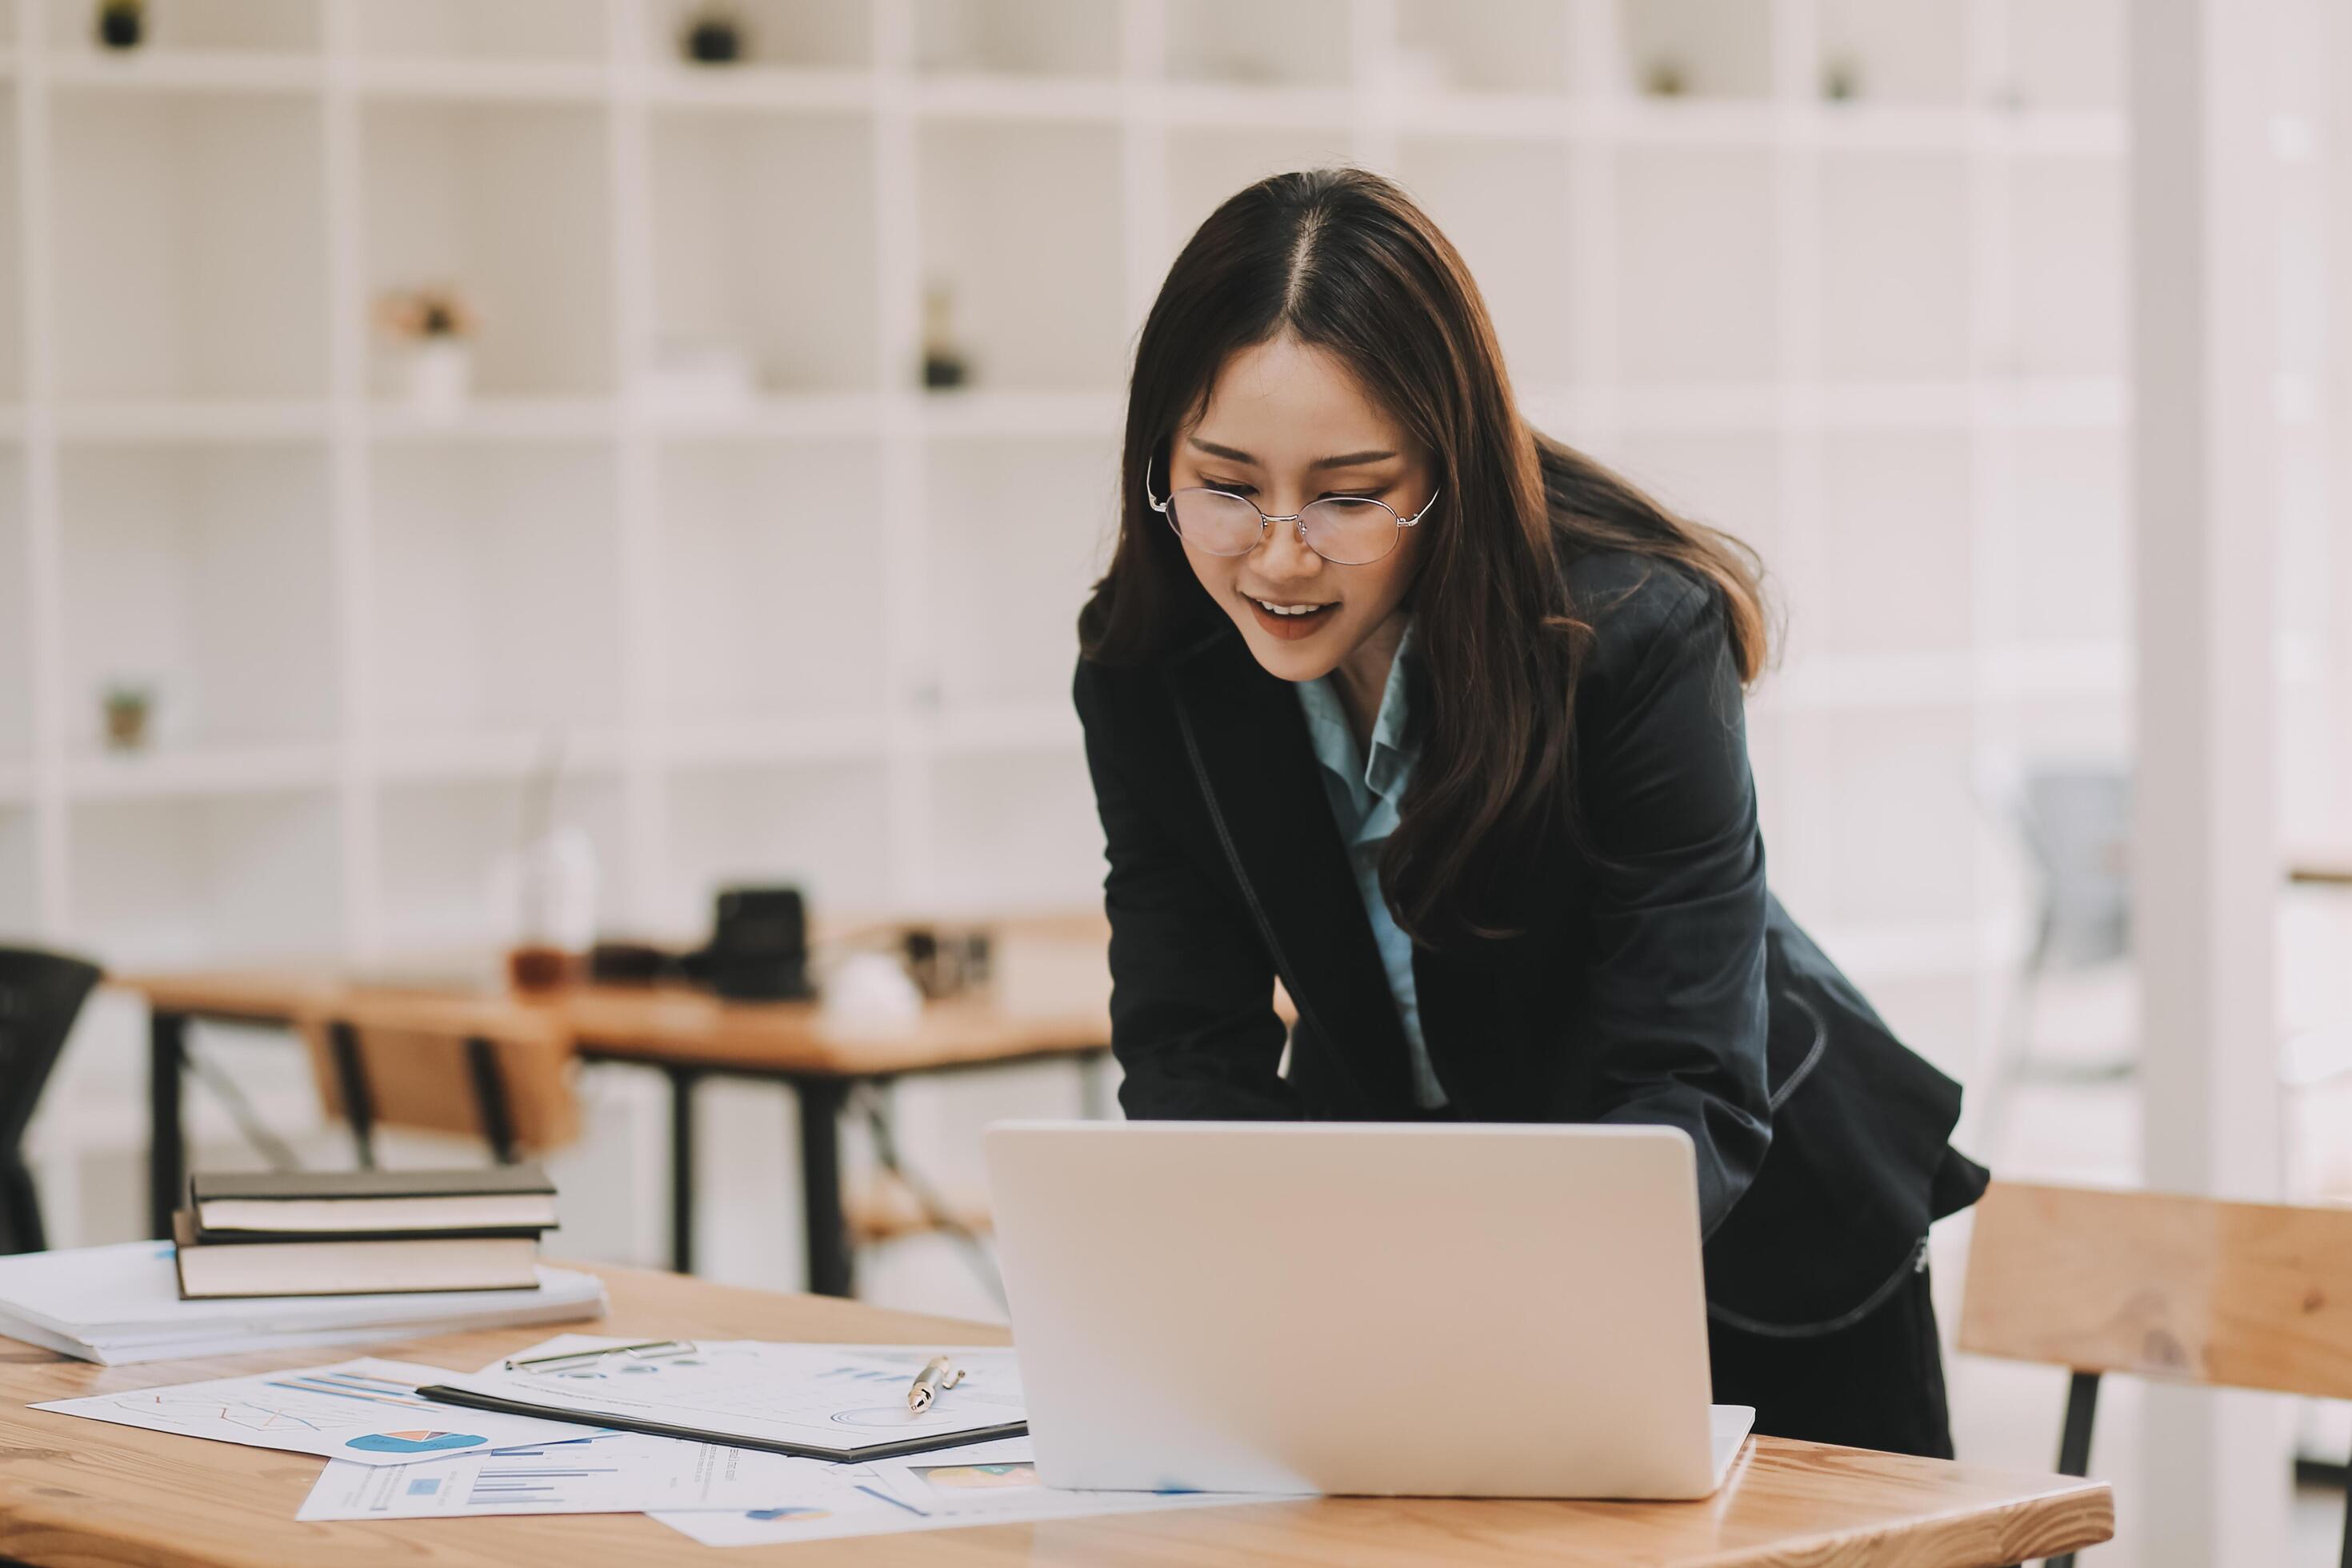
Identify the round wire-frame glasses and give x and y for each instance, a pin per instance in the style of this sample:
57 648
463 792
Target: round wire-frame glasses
1347 530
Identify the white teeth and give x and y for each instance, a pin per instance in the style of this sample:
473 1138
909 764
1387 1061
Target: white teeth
1286 609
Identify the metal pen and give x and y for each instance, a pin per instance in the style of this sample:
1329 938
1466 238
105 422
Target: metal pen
938 1374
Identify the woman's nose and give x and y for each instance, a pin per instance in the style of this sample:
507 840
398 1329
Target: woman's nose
1287 554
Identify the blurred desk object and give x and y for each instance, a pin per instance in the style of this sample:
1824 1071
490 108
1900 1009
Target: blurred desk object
84 1492
688 1035
2321 871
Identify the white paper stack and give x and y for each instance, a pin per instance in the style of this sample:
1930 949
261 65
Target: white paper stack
122 1303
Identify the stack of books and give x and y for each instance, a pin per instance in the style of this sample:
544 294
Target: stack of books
349 1232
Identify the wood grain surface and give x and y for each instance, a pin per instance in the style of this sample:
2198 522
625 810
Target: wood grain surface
2186 1288
80 1492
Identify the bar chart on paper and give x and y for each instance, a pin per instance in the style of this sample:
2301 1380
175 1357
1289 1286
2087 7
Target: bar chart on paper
596 1472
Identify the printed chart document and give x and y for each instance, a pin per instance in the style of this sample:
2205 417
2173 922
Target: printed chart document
846 1404
594 1472
365 1411
984 1483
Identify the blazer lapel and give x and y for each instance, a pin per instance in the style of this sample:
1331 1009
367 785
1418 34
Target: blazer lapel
1248 741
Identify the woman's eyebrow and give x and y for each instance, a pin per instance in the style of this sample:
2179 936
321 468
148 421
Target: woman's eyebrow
1344 460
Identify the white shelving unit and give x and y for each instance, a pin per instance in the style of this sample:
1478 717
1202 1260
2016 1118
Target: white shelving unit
826 635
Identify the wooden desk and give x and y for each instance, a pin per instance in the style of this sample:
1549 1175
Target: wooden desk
686 1035
77 1491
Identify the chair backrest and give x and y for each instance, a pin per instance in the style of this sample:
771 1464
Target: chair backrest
2076 822
2186 1289
41 994
413 1051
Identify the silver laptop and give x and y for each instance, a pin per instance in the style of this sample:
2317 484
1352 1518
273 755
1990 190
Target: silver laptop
1423 1310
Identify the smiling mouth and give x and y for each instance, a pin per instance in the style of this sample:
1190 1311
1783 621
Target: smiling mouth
1287 620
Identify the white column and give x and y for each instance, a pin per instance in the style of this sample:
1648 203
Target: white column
2214 1483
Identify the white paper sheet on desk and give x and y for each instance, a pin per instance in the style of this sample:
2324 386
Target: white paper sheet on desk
825 1395
982 1483
365 1411
596 1472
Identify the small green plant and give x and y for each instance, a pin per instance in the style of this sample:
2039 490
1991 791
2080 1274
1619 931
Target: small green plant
127 709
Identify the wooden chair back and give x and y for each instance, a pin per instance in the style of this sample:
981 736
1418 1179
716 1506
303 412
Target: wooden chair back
2189 1290
450 1064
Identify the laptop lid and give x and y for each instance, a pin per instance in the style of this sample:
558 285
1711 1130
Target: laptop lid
1432 1308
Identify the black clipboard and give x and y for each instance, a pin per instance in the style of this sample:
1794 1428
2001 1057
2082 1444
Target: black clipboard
897 1449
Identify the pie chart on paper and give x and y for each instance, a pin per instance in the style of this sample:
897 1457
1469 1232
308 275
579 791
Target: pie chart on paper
414 1442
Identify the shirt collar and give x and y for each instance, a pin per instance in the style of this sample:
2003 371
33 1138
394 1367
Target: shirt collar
1393 749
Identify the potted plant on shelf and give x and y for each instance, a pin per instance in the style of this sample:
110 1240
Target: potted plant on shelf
122 24
129 706
713 36
432 327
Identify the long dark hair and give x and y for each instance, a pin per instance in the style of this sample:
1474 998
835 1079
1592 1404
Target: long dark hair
1344 260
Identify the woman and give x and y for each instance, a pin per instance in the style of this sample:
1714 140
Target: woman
1391 696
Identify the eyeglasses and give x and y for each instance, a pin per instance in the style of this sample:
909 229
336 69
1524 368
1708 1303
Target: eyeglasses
1347 530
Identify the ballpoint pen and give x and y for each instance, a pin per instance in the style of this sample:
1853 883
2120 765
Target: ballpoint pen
938 1375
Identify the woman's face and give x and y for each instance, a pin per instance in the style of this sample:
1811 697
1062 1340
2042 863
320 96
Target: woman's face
1287 425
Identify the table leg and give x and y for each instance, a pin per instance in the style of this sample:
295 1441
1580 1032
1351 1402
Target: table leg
827 1227
167 1153
682 1080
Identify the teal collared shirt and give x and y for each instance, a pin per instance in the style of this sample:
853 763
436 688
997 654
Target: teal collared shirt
1365 795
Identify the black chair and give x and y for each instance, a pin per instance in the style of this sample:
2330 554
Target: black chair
41 994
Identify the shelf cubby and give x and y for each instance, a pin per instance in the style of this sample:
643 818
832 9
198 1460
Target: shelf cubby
496 586
510 205
1484 46
776 586
1021 223
1914 52
2069 216
205 574
1729 479
449 854
1015 829
1505 206
190 246
15 619
1874 789
754 216
1698 272
1017 38
1890 574
510 31
2069 537
824 827
1894 267
170 881
1260 43
20 903
789 33
192 27
1207 165
1708 48
1013 524
2067 54
11 282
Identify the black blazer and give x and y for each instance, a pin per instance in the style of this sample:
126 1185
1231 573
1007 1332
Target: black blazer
1655 980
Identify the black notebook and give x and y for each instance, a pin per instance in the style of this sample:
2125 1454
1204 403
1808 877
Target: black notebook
442 1393
361 1203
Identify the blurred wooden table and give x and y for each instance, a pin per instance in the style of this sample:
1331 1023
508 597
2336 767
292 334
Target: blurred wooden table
687 1034
74 1491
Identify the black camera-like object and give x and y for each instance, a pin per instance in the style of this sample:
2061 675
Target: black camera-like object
759 946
